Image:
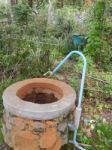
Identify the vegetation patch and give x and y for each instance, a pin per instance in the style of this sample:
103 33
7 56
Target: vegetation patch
30 47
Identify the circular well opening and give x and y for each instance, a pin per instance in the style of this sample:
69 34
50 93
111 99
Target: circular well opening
40 93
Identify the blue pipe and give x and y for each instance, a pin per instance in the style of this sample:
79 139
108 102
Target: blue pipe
75 141
81 89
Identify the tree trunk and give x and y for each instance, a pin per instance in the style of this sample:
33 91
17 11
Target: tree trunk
13 2
30 2
62 3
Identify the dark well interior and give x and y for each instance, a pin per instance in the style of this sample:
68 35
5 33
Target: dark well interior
40 93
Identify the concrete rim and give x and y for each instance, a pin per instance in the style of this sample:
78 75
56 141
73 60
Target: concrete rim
18 107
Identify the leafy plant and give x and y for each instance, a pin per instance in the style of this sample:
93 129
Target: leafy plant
22 13
102 139
98 44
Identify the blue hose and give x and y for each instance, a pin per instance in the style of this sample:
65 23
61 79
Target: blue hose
81 90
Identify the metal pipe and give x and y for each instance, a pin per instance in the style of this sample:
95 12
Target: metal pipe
83 71
75 141
78 109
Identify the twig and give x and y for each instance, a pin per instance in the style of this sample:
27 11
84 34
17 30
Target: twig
93 90
85 145
98 79
94 78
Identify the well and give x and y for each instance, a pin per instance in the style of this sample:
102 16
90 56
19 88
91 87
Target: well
35 114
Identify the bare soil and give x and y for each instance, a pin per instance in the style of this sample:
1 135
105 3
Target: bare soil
40 98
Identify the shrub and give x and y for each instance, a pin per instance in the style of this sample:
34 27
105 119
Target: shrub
102 139
99 46
22 13
19 54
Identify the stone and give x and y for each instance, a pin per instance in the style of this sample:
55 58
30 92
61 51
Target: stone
25 140
39 126
30 126
48 139
62 127
49 135
7 135
57 145
3 147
